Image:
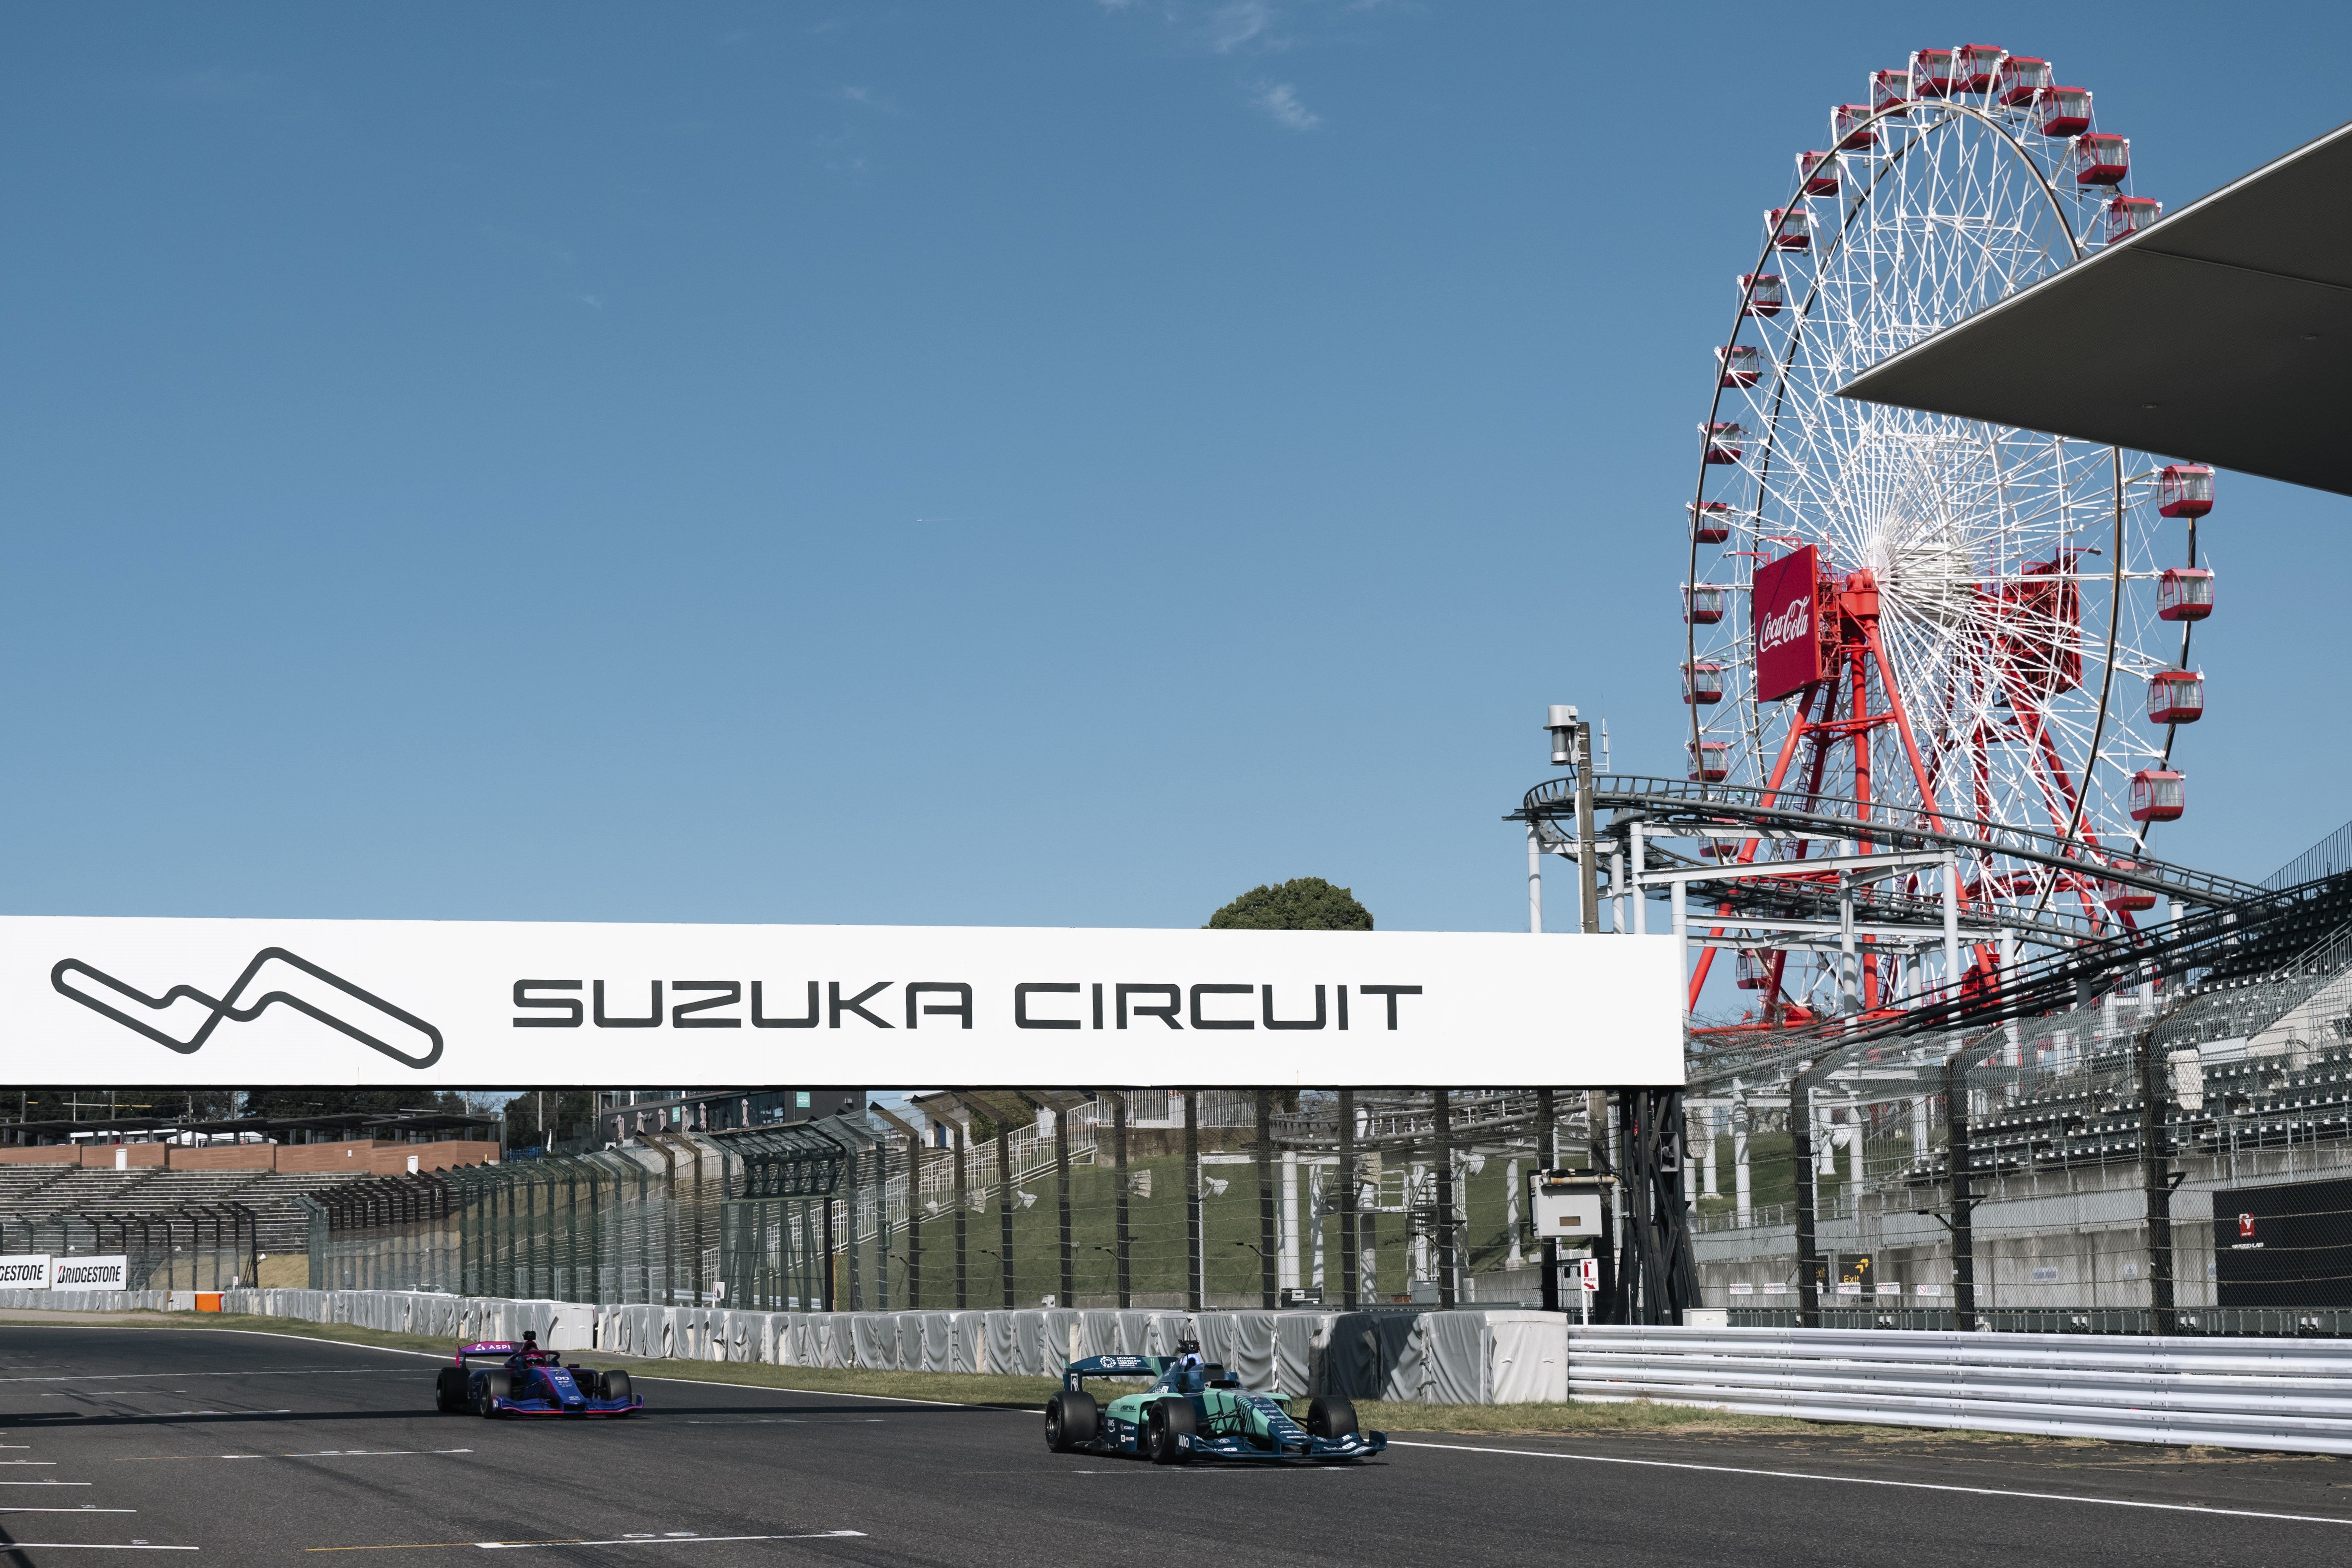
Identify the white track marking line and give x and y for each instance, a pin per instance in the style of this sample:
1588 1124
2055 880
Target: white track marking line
322 1453
92 1546
84 1508
1881 1481
445 1356
664 1541
121 1376
44 1483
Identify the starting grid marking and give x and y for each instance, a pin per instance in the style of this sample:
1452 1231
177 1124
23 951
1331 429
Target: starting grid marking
675 1538
1881 1481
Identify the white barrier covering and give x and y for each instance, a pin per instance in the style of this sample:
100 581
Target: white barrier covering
2291 1394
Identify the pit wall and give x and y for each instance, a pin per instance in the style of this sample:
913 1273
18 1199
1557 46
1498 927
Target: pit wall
2285 1395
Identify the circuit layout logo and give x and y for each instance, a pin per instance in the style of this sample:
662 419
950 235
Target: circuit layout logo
310 990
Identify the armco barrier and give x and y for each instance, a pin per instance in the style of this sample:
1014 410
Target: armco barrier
2292 1394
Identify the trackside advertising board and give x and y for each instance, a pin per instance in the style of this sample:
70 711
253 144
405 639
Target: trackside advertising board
90 1273
480 1004
25 1271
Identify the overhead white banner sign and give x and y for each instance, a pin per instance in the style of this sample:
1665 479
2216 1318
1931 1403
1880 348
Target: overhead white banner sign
491 1003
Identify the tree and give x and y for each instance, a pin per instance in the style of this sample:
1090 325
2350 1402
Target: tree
536 1116
1303 903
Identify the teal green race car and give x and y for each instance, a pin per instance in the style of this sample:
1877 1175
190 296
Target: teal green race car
1194 1410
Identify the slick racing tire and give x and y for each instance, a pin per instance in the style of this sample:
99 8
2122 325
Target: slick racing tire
614 1385
1071 1421
450 1390
1169 1420
495 1385
1331 1417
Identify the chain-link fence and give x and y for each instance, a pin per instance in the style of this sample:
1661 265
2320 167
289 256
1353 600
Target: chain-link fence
1077 1209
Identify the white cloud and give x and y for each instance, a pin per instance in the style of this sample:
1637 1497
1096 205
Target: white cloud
1241 25
1280 100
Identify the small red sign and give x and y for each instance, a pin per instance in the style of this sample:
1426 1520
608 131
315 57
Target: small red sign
1786 613
2246 1227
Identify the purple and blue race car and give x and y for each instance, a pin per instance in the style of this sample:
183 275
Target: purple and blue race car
498 1377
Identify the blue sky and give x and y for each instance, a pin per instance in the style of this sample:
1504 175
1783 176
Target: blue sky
1058 463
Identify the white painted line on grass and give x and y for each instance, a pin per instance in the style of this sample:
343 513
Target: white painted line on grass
1881 1481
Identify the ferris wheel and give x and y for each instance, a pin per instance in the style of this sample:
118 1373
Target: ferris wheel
1896 616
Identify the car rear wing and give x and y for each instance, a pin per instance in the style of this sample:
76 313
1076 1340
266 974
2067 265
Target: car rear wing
1156 1367
1074 1376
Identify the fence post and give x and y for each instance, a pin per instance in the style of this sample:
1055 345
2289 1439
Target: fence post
882 1219
1118 1153
1268 1286
1192 1281
1547 1158
963 1216
1964 1229
2155 1174
1800 1164
1441 1117
1069 1296
914 1221
1004 1205
1349 1285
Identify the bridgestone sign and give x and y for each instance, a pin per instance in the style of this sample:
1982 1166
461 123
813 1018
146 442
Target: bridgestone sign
90 1274
25 1271
479 1004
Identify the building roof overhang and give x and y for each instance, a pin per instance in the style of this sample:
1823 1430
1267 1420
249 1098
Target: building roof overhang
2213 335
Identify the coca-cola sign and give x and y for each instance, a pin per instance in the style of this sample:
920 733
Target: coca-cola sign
1788 632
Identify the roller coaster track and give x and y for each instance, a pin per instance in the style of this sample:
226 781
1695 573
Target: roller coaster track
1727 811
2225 931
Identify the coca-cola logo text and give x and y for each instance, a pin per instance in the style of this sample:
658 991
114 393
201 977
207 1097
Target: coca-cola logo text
1787 624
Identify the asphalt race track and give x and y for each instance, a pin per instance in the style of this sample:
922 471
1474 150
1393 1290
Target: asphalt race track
236 1448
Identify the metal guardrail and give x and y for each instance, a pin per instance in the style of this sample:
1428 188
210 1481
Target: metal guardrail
2264 1323
2292 1394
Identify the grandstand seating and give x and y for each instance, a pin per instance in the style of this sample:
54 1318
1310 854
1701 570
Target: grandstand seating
2091 1116
64 1208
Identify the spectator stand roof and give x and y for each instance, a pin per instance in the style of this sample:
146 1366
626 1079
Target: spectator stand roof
2213 334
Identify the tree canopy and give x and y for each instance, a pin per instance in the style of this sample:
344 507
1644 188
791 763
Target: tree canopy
1303 903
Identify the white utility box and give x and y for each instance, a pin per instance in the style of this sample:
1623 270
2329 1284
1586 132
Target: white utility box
1566 1203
